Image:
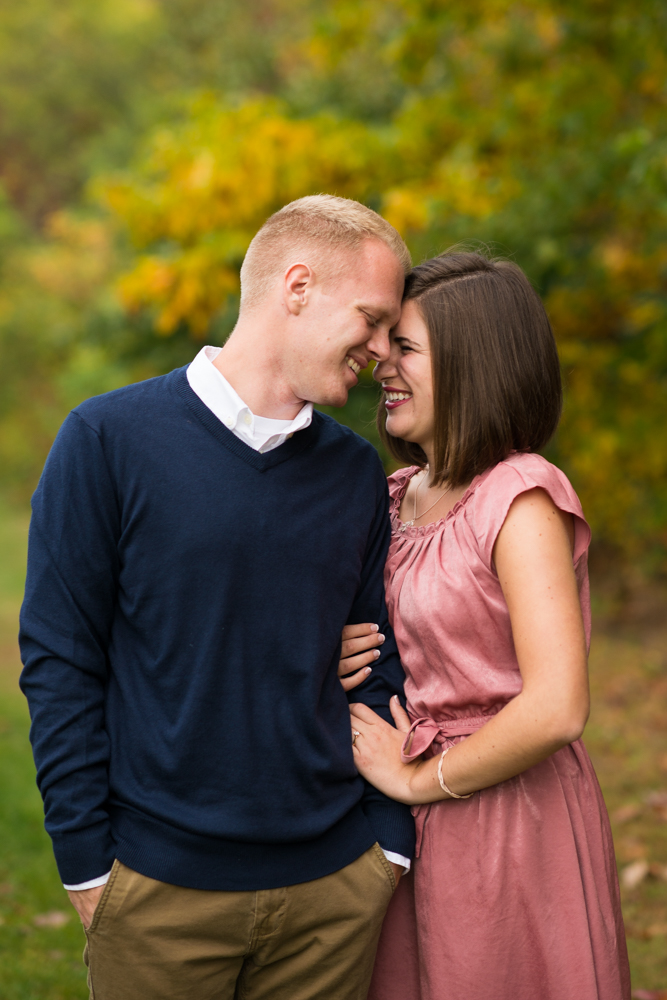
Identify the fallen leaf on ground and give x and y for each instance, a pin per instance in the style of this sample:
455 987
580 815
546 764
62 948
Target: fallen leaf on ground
658 871
656 799
633 874
657 930
56 918
632 849
625 813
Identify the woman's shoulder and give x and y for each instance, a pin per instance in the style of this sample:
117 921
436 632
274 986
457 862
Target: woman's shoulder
499 486
397 481
526 470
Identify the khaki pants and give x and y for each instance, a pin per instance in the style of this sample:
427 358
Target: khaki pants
315 941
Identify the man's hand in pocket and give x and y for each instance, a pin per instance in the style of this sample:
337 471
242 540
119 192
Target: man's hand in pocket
85 902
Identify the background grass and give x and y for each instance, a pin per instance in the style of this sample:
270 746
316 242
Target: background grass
626 736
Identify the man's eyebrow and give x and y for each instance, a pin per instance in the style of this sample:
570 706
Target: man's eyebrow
377 312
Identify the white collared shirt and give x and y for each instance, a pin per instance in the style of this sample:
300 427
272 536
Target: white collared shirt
262 434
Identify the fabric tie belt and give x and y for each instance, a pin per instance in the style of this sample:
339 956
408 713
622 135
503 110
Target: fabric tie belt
424 732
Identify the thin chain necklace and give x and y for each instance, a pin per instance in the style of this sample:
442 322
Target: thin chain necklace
409 524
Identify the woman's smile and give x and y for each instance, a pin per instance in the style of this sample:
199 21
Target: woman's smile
395 397
406 378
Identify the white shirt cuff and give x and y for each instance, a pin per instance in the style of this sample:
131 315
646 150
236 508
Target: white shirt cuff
398 859
90 884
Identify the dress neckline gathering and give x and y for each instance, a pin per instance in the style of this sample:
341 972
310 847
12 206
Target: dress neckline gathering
422 530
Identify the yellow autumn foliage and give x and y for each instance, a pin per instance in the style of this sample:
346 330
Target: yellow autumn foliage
538 128
207 189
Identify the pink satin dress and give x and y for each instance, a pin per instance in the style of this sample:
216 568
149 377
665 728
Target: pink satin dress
513 893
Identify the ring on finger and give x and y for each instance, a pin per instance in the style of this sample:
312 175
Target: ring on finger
355 733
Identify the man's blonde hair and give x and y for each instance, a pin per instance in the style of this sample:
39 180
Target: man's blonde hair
320 227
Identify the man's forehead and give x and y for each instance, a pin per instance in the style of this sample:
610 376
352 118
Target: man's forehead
379 260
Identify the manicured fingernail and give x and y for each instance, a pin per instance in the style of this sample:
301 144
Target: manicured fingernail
376 653
367 671
381 637
396 698
375 628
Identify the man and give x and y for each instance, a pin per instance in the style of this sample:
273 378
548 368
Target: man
198 542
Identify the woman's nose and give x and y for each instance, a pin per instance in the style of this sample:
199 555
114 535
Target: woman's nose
383 370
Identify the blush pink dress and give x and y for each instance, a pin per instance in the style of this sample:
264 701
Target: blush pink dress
513 893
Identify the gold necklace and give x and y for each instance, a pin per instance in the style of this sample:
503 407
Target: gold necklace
409 524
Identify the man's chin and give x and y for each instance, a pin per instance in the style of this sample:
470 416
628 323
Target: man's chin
330 397
339 401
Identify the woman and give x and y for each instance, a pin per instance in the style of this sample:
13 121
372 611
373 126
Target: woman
513 893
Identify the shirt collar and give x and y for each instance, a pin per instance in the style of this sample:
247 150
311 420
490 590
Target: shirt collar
222 399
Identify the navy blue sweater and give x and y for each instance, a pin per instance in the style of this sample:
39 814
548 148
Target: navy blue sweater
180 637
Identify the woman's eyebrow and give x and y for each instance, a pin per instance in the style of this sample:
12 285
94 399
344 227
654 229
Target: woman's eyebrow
406 340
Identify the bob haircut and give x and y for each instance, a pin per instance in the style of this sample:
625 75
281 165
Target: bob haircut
496 375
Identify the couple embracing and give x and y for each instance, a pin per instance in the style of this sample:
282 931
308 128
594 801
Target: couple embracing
241 806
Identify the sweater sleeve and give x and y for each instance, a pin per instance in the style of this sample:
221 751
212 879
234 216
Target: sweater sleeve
391 821
65 629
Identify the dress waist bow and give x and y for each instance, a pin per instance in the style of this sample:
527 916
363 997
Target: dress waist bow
425 732
422 736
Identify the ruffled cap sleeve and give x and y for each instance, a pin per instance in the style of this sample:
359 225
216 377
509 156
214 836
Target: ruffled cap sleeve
502 484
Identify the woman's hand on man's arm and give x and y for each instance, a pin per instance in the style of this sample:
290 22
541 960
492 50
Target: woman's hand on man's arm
359 649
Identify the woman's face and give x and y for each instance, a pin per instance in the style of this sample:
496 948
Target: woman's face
407 380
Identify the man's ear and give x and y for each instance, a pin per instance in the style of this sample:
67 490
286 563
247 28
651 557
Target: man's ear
299 279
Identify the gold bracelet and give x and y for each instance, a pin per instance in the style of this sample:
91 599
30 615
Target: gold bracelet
442 783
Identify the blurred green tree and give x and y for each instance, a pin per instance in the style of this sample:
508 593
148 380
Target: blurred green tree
538 128
80 82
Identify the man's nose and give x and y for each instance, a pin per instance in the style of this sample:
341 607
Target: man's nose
378 346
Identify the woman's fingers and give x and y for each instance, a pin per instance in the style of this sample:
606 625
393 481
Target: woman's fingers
358 651
351 681
353 645
354 631
351 663
399 715
363 714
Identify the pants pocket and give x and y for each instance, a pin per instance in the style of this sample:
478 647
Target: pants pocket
388 870
102 902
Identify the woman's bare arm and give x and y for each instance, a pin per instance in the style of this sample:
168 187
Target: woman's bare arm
533 558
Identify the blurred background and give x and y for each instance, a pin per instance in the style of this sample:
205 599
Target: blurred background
143 142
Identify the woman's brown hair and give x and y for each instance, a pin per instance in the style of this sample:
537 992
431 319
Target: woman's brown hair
496 375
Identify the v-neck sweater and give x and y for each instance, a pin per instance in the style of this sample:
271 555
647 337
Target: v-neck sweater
180 636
